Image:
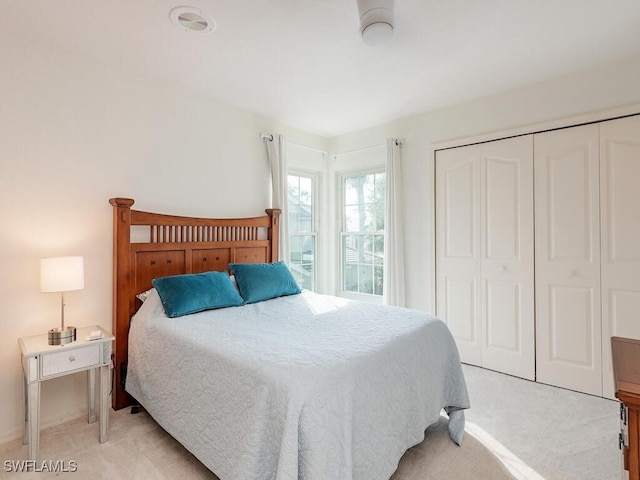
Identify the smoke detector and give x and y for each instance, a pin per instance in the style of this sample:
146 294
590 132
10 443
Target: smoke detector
376 21
191 19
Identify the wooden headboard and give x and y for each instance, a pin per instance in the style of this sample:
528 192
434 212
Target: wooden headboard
152 245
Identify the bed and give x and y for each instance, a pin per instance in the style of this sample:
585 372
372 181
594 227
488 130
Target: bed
301 386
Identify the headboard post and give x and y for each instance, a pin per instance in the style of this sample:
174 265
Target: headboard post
274 232
121 278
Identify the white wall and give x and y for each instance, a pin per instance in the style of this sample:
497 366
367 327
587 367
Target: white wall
601 88
72 135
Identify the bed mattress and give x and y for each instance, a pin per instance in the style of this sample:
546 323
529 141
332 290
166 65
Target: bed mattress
306 387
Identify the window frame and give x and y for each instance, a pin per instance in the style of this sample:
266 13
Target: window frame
341 231
316 178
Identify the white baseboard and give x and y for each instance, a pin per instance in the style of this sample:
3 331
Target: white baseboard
44 424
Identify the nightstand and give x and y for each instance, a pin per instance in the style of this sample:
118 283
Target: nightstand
41 361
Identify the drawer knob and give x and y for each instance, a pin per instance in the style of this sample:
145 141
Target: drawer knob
72 359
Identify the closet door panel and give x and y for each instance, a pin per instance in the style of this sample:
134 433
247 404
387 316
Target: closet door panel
458 248
460 297
567 242
501 202
569 212
503 317
507 256
620 215
571 341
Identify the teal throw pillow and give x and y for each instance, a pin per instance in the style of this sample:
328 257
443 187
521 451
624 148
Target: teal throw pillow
191 293
262 281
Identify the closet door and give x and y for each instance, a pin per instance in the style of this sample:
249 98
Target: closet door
507 256
620 218
458 280
484 252
567 242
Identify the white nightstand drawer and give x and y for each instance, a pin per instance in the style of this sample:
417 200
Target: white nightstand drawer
65 361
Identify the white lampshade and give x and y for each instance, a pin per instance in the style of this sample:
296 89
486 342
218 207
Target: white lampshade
61 274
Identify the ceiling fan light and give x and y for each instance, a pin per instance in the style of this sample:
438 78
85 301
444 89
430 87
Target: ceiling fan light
376 20
377 33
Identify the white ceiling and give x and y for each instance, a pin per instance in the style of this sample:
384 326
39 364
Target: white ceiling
303 62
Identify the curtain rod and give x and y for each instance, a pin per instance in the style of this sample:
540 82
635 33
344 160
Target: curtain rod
307 148
268 137
359 150
398 141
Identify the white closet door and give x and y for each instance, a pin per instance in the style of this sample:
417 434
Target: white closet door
620 217
484 252
567 240
507 256
458 280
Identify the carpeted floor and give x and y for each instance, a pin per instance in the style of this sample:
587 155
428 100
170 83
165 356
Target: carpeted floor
438 458
139 449
550 432
537 431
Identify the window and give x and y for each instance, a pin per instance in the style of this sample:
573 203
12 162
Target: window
362 236
301 204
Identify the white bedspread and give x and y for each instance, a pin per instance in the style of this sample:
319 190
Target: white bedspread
306 387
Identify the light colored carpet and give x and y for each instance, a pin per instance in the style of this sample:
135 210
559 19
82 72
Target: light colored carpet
557 433
438 458
139 449
538 431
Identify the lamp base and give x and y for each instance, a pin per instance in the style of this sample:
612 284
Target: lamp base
62 337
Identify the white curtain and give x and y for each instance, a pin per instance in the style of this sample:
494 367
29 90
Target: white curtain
278 163
394 278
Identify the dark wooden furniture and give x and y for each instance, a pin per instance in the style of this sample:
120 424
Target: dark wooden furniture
151 245
626 370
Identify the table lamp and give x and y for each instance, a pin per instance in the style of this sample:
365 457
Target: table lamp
61 274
